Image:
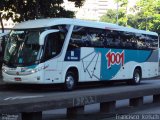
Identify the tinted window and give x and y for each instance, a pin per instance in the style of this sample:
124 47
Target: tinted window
87 37
113 39
94 37
128 40
152 41
53 46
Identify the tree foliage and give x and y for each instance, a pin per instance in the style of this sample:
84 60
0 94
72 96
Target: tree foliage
32 9
22 10
110 17
3 7
149 14
111 14
146 15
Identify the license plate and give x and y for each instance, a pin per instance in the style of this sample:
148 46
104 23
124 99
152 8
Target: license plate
18 79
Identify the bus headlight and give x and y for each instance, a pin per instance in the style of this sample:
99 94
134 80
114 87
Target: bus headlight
4 70
33 71
36 70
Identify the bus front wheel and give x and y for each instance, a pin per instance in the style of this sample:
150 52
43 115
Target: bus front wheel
70 81
136 77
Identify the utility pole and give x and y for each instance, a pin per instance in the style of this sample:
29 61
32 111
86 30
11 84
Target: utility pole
127 12
146 24
117 14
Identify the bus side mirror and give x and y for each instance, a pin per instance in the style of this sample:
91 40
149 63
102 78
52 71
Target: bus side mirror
44 34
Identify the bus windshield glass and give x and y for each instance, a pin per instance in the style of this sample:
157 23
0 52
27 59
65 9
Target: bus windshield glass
22 48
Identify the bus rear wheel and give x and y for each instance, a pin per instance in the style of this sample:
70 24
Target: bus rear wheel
136 77
70 81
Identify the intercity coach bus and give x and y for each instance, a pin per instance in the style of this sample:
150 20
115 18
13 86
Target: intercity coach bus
69 51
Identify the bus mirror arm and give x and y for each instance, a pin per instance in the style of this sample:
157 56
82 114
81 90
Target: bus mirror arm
44 34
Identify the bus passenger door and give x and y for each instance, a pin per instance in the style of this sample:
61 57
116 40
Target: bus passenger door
51 51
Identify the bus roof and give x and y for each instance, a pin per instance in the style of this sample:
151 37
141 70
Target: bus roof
42 23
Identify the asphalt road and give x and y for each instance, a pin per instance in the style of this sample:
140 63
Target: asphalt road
28 93
22 93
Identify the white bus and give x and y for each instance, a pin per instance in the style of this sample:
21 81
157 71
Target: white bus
62 50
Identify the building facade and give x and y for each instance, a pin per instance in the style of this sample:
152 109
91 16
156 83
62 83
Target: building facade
94 9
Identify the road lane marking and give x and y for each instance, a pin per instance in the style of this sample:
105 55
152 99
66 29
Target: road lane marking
22 97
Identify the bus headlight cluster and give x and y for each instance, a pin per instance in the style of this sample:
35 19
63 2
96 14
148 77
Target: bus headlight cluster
4 70
36 69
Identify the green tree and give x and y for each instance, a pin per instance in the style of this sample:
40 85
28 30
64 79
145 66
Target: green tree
122 7
110 16
3 8
33 9
149 12
146 17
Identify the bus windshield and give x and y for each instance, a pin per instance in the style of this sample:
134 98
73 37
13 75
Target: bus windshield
22 48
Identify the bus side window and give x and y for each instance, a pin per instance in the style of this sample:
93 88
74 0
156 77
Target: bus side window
87 37
53 46
96 37
78 39
152 41
128 40
111 39
75 42
141 42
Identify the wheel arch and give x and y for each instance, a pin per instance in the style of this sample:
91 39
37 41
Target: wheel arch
73 69
138 68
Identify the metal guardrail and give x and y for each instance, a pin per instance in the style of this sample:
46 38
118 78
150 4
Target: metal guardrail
76 100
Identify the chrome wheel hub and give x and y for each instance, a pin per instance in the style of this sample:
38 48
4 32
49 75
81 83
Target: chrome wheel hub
137 77
70 82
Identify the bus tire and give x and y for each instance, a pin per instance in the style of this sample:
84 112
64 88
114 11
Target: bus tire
70 81
136 77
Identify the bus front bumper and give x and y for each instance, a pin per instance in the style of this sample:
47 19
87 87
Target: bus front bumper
34 78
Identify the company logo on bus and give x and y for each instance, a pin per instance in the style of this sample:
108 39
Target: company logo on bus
17 73
115 58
